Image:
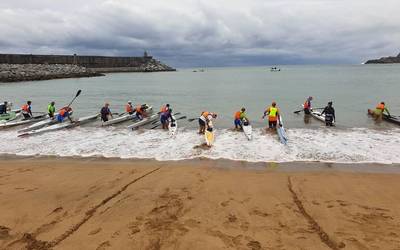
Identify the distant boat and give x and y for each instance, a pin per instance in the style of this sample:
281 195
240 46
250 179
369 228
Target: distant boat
275 69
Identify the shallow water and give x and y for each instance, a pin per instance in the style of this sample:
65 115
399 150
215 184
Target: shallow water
353 89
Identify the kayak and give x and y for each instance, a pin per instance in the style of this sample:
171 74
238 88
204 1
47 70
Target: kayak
210 137
64 125
173 127
319 116
9 116
47 122
143 122
392 119
247 130
124 118
281 131
15 123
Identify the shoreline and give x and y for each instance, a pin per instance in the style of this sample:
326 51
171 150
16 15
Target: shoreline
295 166
62 203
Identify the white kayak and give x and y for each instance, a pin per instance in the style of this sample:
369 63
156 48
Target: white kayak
47 122
124 118
15 123
281 131
143 122
173 126
247 130
64 125
317 115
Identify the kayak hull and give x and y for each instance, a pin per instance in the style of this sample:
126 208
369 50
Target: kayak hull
281 132
124 118
60 126
209 137
143 122
391 119
248 130
16 123
173 127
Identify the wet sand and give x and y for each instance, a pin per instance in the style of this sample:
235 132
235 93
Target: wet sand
62 203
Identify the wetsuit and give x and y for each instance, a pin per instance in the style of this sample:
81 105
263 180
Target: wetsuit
329 112
105 112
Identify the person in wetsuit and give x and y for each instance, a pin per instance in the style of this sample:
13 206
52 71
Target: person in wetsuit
329 112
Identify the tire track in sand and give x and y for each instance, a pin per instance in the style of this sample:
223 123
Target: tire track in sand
313 223
33 243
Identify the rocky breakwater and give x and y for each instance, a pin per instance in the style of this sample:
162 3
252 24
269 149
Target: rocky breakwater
385 60
149 66
34 72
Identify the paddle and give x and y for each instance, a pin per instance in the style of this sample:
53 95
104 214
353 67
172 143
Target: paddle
77 94
180 118
192 119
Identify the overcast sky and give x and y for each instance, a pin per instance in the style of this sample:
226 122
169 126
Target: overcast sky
205 33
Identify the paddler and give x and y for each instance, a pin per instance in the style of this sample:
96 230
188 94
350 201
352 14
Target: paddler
63 113
105 112
164 108
3 108
51 109
307 105
26 110
240 116
165 118
129 108
380 109
273 116
203 120
141 111
329 112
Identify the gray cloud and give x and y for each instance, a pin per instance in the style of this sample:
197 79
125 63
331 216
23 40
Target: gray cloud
205 33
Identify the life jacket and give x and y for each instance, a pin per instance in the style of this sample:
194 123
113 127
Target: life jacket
205 114
51 109
129 108
25 108
306 105
164 109
272 114
139 109
380 106
237 115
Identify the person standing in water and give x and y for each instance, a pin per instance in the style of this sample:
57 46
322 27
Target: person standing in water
129 108
307 105
27 110
239 117
203 120
380 110
273 116
51 109
329 112
105 112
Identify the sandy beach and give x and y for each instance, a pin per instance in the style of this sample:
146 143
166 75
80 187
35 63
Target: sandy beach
62 203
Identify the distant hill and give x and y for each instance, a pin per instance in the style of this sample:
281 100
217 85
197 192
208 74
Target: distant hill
389 59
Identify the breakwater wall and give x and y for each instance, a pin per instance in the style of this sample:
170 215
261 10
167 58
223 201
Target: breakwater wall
85 61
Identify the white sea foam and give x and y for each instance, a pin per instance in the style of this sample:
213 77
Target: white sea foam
328 145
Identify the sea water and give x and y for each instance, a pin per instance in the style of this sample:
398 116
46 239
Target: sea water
352 88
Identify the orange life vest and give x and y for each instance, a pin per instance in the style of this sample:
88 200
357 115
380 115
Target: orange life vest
129 108
380 106
163 109
25 108
306 106
62 112
237 115
205 114
139 109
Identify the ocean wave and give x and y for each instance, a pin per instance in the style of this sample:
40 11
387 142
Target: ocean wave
357 145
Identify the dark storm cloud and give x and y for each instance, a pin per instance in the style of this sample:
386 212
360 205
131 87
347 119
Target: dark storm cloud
205 33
